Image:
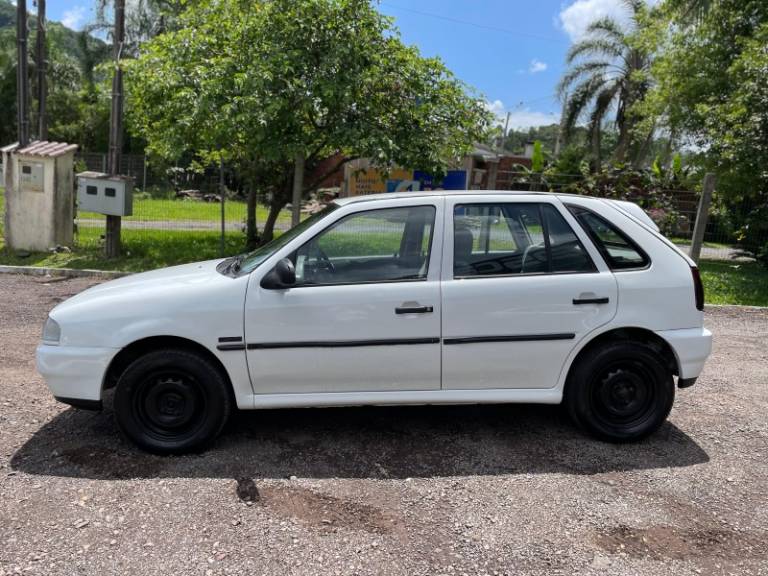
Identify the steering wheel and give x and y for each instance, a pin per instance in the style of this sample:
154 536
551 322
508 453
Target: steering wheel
328 265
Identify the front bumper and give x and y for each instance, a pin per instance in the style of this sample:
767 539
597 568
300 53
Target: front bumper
692 347
74 374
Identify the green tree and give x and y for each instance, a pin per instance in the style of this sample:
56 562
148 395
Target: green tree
711 91
7 87
607 71
259 82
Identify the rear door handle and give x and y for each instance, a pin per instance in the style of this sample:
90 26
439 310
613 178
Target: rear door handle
604 300
413 309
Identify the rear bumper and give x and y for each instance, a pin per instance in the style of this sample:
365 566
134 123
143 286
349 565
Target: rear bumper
692 347
74 375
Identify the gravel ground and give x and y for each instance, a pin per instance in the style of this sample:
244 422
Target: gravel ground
418 490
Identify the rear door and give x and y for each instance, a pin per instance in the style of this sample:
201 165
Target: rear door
522 285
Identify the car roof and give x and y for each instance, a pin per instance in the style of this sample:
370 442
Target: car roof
625 207
426 193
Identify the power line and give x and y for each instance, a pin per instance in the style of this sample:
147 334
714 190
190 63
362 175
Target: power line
475 24
522 103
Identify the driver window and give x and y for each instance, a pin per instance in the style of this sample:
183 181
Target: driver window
386 245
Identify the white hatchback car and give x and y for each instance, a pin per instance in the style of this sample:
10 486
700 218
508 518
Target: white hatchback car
412 298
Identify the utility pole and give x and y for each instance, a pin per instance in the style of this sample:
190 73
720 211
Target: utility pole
41 59
506 131
116 127
22 74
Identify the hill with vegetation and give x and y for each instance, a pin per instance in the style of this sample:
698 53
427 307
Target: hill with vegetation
76 110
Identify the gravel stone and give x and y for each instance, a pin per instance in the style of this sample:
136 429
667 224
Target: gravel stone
495 490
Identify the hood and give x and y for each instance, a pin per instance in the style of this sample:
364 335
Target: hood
175 279
192 301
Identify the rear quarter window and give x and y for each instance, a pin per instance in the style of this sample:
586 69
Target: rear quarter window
616 247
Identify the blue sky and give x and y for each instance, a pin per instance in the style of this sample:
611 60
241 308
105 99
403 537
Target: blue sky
511 51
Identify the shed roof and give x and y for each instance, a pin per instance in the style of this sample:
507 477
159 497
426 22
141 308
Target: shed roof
42 148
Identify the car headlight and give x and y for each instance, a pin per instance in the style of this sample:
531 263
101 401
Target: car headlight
51 332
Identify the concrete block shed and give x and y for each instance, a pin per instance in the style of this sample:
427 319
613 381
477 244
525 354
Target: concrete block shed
39 188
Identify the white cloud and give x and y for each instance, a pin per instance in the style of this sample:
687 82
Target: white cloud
521 118
496 107
74 18
537 66
526 118
577 16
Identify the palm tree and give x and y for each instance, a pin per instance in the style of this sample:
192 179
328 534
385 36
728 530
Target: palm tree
606 72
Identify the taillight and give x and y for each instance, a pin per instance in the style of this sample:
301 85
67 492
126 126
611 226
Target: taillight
698 288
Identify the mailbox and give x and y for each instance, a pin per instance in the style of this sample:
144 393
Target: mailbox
105 194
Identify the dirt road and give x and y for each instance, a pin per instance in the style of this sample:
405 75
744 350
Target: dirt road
420 490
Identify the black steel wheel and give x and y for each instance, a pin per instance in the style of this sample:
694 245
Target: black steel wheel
172 401
620 392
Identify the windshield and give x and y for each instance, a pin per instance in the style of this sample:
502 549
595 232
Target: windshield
253 260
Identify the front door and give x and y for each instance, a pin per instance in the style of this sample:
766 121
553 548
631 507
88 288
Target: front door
520 288
364 315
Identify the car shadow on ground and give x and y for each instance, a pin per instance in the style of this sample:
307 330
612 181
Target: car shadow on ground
368 442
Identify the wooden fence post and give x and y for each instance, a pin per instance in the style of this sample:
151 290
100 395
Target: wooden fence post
702 214
493 172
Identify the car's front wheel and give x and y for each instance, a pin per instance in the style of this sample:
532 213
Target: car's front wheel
620 392
172 401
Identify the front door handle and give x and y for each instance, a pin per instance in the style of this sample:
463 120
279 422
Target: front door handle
603 300
413 309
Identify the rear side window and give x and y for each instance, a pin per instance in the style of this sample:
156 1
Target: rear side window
514 238
619 251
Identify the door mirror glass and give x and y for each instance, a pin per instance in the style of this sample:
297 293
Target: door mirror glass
282 276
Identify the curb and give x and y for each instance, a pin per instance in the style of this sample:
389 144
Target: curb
747 306
61 272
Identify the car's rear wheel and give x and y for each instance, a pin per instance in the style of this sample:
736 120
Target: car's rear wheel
172 401
620 392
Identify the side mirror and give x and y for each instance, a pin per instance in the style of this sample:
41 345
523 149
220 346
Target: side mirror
282 276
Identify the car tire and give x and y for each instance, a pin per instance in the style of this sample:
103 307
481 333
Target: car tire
172 401
620 392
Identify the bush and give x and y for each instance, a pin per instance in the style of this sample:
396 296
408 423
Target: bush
753 236
638 186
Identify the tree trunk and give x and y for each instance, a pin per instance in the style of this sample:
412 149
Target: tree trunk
623 144
274 211
640 157
251 233
298 187
596 157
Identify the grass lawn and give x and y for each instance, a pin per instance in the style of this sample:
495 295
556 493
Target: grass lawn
141 250
743 283
687 242
155 210
724 282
